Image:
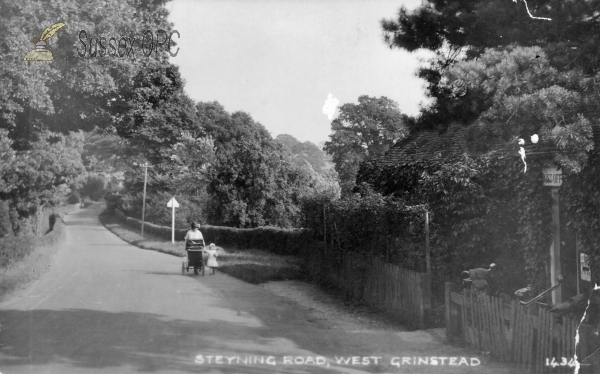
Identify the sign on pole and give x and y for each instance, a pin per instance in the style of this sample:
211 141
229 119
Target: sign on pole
586 273
173 204
552 177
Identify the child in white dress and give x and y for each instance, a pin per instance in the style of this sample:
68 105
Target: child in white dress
212 258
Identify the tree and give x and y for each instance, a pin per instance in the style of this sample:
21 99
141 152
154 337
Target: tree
227 130
255 185
154 111
362 131
458 30
72 92
520 94
303 152
40 177
189 160
253 180
475 25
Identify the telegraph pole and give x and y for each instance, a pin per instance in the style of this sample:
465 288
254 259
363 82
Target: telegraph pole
427 249
145 166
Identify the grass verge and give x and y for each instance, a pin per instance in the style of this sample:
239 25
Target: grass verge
250 265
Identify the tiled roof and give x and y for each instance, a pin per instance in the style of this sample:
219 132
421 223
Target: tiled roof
427 143
452 142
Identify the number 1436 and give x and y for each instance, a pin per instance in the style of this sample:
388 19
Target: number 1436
563 362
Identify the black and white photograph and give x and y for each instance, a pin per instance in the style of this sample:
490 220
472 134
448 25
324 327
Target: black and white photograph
300 186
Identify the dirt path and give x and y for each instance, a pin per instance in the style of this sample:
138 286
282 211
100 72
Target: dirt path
108 307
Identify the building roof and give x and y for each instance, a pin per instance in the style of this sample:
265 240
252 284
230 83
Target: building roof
453 142
422 144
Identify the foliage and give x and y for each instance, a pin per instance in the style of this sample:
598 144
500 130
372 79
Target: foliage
475 25
14 249
303 152
189 160
154 112
463 30
368 223
255 185
582 199
253 180
190 209
5 223
75 198
39 177
271 239
483 210
73 92
94 187
363 131
519 94
107 152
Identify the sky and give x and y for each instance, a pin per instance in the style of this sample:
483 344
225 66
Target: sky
278 60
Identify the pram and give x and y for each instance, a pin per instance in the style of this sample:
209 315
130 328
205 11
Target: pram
194 249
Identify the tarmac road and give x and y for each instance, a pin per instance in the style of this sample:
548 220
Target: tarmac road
108 307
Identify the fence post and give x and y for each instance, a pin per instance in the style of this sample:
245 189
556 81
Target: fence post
426 292
452 315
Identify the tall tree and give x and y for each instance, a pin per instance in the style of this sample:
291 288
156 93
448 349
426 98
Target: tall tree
154 110
362 131
71 92
253 180
457 30
303 152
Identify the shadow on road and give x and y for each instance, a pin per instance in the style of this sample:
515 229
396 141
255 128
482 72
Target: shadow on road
96 339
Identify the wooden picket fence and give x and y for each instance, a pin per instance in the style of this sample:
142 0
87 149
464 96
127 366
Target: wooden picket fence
403 293
510 332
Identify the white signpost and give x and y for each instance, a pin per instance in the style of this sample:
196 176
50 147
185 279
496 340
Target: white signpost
173 204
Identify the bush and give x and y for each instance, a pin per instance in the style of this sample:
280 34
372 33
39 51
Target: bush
5 223
15 248
271 239
75 198
113 201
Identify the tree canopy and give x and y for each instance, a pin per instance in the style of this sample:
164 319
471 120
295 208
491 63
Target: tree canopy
71 93
303 151
458 30
363 131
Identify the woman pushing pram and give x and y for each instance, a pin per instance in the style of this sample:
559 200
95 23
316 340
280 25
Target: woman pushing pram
194 246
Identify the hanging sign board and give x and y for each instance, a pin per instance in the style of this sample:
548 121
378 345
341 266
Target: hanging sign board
552 177
584 263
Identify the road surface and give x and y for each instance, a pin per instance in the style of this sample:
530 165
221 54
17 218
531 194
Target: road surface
108 307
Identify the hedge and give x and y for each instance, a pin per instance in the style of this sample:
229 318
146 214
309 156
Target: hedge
272 239
15 248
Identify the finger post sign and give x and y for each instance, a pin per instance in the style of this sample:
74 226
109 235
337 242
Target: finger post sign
173 204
